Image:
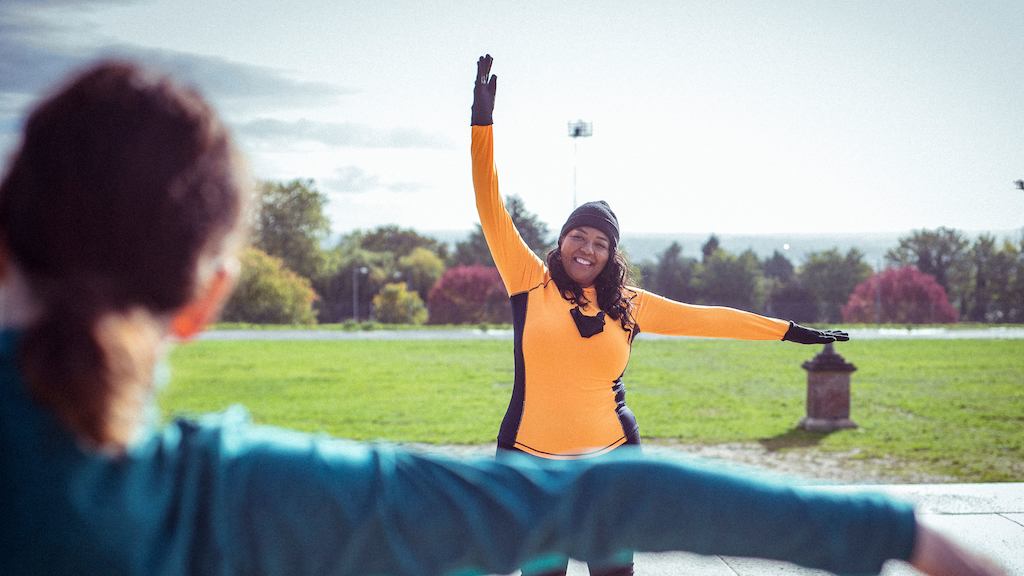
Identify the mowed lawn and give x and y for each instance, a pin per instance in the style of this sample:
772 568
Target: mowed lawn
952 407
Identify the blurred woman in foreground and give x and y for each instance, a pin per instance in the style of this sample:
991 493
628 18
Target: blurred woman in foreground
120 220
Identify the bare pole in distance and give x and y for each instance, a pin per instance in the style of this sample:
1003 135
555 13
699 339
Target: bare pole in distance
356 271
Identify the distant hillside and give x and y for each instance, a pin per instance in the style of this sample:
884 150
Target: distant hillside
647 246
794 246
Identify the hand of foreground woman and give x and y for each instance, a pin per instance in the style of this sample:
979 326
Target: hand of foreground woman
804 335
484 88
937 555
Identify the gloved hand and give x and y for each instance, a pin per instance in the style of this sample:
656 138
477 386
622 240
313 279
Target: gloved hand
484 89
803 335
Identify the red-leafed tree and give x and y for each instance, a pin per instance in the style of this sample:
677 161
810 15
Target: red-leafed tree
469 295
899 295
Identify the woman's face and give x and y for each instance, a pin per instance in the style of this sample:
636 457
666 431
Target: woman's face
585 253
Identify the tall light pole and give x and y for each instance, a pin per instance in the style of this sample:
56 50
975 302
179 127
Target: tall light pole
578 129
1020 186
356 271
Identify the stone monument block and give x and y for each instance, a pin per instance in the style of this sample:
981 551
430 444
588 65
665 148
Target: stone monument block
828 392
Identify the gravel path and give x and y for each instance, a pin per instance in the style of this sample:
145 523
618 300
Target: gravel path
805 465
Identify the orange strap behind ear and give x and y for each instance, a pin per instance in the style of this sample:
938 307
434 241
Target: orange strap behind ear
191 319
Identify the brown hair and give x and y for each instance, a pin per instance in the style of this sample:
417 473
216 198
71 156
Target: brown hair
613 297
122 181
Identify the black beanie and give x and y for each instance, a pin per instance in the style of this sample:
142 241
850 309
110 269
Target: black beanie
596 215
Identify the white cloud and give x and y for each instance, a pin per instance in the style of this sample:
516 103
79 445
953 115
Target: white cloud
223 80
38 52
342 134
355 180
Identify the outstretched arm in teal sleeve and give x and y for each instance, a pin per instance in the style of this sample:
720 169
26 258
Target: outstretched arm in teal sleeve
347 509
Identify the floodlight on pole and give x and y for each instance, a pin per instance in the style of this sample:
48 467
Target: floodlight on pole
578 129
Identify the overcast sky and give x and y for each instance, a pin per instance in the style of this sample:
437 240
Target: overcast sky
728 117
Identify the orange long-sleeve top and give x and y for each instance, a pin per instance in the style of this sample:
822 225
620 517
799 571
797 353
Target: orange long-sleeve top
568 400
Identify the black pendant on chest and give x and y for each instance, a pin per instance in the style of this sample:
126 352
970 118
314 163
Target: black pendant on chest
587 325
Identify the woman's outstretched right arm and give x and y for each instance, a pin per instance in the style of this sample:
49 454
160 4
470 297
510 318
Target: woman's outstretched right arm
519 267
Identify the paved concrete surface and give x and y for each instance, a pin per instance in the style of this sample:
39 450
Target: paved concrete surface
986 517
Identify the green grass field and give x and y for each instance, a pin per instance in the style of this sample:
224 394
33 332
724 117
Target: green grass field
942 407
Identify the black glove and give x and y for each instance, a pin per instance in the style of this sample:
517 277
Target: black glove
483 93
802 335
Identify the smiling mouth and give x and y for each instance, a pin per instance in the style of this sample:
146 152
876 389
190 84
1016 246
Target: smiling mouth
583 262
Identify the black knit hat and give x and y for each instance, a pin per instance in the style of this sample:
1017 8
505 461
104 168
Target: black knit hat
596 215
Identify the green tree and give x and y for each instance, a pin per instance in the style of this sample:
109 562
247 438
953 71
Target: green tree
421 269
831 277
1008 279
983 256
943 253
787 298
352 268
535 233
290 224
791 301
643 274
400 241
778 267
364 261
708 248
674 276
395 304
728 280
269 293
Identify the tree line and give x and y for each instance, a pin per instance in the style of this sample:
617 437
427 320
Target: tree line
396 275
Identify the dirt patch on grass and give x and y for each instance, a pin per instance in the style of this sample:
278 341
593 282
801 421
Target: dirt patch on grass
815 464
809 464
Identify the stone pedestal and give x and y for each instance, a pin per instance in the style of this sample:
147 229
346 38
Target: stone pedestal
828 392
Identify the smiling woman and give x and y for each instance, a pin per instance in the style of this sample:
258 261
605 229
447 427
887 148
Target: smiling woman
585 254
568 400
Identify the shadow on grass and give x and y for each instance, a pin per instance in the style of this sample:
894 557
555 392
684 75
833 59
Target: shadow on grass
794 438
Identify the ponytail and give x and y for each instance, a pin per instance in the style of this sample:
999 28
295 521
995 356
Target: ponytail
91 363
123 182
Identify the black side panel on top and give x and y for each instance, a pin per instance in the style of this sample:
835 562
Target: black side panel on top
630 427
514 413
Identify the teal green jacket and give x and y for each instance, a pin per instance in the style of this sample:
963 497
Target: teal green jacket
224 496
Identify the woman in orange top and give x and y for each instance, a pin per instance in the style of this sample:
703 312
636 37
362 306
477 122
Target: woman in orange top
574 318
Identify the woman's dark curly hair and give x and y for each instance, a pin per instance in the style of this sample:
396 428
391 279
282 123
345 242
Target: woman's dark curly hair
613 297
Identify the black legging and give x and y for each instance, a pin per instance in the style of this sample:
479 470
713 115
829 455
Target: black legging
620 570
